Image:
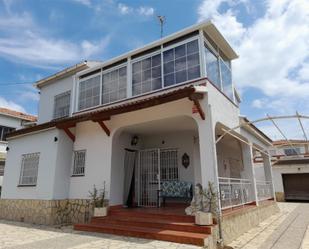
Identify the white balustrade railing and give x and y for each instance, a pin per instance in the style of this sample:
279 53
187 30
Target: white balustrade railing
264 190
235 192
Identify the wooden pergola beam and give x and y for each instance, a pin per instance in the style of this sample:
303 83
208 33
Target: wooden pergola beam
104 127
195 97
69 133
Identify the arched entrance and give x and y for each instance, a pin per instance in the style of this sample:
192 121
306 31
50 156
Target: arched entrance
146 155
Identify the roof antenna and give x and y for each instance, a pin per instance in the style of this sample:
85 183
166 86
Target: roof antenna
162 22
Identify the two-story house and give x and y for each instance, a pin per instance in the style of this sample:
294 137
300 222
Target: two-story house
161 113
10 120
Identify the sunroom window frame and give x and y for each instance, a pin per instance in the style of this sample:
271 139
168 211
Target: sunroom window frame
78 88
216 52
101 86
143 57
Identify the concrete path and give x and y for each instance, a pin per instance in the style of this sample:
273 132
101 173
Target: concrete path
15 235
288 229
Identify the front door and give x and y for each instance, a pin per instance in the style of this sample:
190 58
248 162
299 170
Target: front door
148 177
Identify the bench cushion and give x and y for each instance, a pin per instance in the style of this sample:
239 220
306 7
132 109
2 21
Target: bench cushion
179 189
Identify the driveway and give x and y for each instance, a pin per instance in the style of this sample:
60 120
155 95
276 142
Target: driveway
288 229
285 230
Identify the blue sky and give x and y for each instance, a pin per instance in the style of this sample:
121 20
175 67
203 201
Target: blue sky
41 37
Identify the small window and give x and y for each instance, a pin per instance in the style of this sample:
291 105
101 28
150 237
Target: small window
62 105
29 169
89 93
2 163
181 63
146 75
114 85
292 151
4 131
79 163
226 76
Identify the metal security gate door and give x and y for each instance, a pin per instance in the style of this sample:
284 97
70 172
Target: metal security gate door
148 178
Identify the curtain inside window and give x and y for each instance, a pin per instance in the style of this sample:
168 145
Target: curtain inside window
129 166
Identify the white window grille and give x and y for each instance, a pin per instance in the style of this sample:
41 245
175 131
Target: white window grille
29 169
169 164
89 92
62 105
146 75
79 163
181 63
114 85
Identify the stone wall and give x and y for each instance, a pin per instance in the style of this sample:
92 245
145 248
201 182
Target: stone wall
280 196
46 212
237 222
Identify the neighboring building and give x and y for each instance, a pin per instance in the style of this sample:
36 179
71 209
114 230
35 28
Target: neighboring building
149 116
291 169
10 121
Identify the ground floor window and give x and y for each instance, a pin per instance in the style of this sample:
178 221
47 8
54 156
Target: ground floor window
79 163
29 169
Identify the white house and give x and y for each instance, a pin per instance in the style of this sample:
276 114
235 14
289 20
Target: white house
163 112
291 169
10 120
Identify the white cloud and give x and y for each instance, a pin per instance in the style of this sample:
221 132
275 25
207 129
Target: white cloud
258 103
145 11
84 2
272 50
141 10
124 9
11 105
22 40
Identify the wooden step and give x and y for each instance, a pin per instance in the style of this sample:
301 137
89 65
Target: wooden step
199 239
167 216
154 223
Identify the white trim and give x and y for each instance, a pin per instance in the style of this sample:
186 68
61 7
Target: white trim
202 54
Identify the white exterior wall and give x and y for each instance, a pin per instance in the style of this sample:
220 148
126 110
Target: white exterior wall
286 169
41 142
8 121
47 94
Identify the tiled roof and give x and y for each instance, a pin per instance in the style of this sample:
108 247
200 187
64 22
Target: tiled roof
118 108
291 141
16 114
292 161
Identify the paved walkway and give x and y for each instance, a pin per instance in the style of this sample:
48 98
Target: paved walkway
288 229
14 235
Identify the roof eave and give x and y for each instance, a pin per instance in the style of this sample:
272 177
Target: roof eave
62 74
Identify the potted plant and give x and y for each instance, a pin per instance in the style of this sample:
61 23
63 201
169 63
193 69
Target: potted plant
210 201
98 201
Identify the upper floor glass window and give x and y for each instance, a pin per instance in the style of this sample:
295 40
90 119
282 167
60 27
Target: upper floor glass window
218 71
181 63
212 67
226 76
89 92
146 75
4 131
114 85
62 105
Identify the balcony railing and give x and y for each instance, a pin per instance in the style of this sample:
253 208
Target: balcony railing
235 192
264 190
